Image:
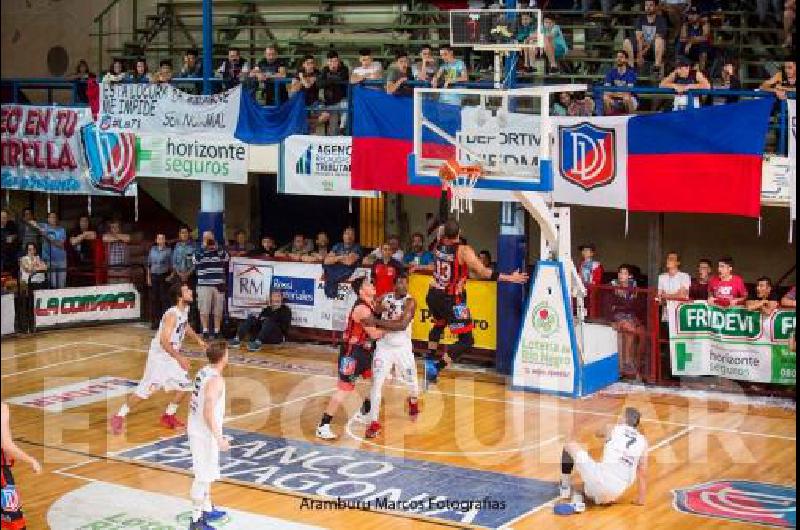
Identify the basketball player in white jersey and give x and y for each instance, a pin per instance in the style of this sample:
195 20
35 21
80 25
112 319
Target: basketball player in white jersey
206 411
624 462
166 368
394 349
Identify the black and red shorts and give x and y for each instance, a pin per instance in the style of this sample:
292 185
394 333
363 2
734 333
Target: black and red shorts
449 310
12 517
353 364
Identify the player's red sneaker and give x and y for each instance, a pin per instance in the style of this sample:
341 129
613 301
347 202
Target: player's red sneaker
413 408
373 430
171 421
116 424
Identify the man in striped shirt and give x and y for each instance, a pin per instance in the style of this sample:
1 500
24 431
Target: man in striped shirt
210 263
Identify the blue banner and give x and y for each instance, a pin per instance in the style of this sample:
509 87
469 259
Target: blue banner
270 125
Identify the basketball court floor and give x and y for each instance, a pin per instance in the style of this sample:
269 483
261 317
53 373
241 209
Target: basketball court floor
713 464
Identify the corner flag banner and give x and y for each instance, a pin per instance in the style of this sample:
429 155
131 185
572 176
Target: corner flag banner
592 161
706 160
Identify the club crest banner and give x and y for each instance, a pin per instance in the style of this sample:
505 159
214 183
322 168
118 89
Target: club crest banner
59 150
164 109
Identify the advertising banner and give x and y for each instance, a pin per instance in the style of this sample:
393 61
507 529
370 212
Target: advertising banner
792 140
776 181
482 301
54 307
732 342
9 316
251 285
192 158
60 150
73 395
303 288
163 109
317 165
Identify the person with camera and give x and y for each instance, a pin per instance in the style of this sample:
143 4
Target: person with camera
210 265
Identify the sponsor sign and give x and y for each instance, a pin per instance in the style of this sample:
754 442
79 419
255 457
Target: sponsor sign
76 394
731 342
317 165
252 283
110 507
53 307
792 141
303 288
9 314
776 179
755 503
482 302
544 358
59 150
364 479
161 108
192 158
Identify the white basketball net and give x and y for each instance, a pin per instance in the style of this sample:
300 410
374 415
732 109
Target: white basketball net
461 189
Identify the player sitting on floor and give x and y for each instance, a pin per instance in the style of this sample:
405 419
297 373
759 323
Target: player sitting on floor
394 349
166 368
624 462
355 355
206 411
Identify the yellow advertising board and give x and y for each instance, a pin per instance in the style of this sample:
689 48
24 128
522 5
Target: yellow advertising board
482 302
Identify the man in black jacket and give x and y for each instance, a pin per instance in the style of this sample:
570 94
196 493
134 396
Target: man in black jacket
270 327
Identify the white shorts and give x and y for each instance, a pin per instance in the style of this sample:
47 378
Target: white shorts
599 485
162 372
205 457
401 357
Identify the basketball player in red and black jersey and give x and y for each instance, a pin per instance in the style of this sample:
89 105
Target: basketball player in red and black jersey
355 355
12 517
447 295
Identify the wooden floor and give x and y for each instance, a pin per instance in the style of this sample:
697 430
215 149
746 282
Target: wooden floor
469 421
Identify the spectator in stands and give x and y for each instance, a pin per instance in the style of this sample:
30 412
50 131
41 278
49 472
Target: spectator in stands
726 288
763 10
426 67
307 80
590 269
182 263
82 75
269 327
333 80
417 257
790 298
82 241
624 319
486 258
321 249
728 80
673 284
267 249
605 6
555 45
384 271
192 67
582 104
296 250
54 250
695 38
526 34
784 80
159 265
117 252
164 74
674 10
789 14
396 252
141 73
367 68
347 252
699 287
398 75
270 73
240 246
32 277
620 75
766 299
210 263
650 34
116 73
452 70
682 79
10 244
561 105
234 69
28 230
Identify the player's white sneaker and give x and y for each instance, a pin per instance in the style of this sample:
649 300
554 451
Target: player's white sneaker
359 417
577 503
325 432
564 492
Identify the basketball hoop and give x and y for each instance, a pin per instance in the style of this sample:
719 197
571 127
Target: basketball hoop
461 180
